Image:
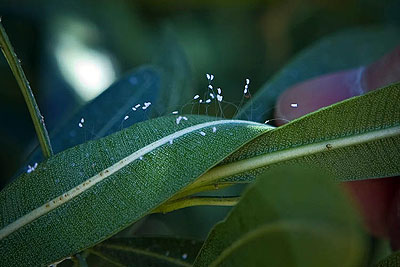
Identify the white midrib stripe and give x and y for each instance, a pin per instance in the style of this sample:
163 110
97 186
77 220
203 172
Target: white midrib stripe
67 196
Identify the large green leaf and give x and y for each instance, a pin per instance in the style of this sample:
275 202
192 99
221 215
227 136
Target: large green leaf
289 217
85 194
148 251
105 114
355 139
344 50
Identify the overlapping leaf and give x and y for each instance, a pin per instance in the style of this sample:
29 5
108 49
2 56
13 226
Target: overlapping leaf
148 251
289 217
85 194
355 139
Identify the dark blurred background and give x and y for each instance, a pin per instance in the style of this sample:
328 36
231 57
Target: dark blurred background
72 50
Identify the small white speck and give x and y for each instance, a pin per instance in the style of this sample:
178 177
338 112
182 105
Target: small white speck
175 112
140 157
126 117
137 106
134 109
171 141
247 81
219 91
178 120
208 101
31 169
210 87
184 256
214 129
80 125
147 104
82 120
245 91
211 77
266 121
208 76
196 97
144 107
212 95
294 105
202 133
184 118
219 98
200 101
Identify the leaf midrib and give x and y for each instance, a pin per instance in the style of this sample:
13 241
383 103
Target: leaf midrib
84 186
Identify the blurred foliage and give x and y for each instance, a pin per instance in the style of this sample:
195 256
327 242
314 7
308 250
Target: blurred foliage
233 40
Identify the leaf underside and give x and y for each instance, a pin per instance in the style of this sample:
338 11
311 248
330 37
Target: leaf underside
355 139
79 210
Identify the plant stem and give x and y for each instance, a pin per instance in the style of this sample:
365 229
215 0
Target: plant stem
196 201
23 83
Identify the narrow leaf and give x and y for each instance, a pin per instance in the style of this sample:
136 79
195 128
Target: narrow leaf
148 251
289 217
85 194
355 139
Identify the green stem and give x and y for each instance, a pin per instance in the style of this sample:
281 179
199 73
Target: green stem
212 187
196 201
37 118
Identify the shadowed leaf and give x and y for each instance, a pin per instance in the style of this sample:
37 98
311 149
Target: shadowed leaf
289 217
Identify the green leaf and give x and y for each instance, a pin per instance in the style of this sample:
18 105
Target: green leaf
289 217
355 139
343 50
148 251
105 114
176 75
86 194
391 261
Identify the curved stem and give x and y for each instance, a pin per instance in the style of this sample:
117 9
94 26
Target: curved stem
211 187
196 201
37 118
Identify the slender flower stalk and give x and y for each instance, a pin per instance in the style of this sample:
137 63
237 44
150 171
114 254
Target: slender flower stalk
23 83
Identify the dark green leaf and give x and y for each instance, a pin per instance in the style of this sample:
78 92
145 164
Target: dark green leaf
340 51
148 251
85 194
289 217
